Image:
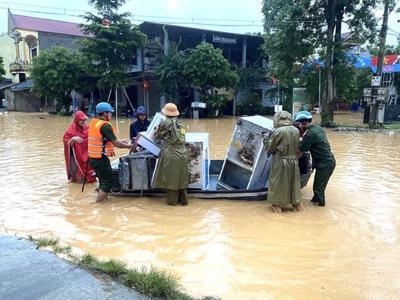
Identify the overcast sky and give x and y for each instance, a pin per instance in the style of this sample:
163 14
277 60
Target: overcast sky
239 16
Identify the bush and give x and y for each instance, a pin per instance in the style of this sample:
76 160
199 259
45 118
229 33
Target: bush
250 104
215 104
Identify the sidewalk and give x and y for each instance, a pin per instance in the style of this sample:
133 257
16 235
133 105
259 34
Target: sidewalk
28 273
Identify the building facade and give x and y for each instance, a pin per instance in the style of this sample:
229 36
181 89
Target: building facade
28 36
240 50
25 39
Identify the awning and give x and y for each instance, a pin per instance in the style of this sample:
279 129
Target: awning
23 86
6 85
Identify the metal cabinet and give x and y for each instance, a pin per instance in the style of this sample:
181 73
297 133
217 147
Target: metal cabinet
199 161
246 163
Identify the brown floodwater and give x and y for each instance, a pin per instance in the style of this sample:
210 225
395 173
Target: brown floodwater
232 249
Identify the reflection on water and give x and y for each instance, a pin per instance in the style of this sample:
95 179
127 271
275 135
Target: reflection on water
231 249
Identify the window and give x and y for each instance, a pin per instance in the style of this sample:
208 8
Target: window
33 52
134 59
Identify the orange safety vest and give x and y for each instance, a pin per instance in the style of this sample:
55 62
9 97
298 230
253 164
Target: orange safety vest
97 144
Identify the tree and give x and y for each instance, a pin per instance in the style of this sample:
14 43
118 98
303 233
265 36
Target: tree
113 44
170 70
2 71
57 72
249 100
207 68
298 30
250 77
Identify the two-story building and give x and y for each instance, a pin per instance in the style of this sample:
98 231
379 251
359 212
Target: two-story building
241 50
26 37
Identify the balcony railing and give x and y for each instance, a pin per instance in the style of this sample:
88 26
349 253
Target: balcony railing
20 67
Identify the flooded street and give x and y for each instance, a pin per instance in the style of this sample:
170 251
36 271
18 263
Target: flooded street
231 249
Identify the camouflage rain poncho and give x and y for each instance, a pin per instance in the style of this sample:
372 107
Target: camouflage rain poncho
284 178
172 169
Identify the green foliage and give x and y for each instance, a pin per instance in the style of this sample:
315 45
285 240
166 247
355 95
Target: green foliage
2 71
204 67
250 104
352 82
249 78
113 267
60 249
57 72
44 242
151 282
107 6
170 71
207 68
288 45
215 104
113 46
88 260
249 101
148 281
296 31
389 49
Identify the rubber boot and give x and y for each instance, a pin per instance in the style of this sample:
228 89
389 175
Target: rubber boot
172 197
182 198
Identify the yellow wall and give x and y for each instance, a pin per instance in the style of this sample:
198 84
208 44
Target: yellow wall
7 51
23 46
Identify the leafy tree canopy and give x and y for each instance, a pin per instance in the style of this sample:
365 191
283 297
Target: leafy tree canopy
207 68
113 45
298 30
170 70
57 72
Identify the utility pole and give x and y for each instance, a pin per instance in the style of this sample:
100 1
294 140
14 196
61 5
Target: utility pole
381 55
319 89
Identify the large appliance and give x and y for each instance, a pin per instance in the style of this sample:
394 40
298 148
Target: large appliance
199 160
247 164
136 171
146 138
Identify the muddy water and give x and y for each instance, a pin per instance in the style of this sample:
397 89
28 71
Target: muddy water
231 249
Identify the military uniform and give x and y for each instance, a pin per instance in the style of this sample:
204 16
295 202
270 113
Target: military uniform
315 141
172 168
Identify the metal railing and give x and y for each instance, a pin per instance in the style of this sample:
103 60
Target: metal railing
20 67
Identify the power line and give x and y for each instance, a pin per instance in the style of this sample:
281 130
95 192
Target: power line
42 12
393 30
144 18
41 6
139 19
139 15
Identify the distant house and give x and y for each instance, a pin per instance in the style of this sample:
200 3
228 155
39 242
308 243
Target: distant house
28 36
239 49
25 39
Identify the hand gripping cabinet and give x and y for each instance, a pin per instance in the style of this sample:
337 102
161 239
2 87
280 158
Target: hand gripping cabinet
247 165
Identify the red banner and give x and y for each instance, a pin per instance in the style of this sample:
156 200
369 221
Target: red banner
391 59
